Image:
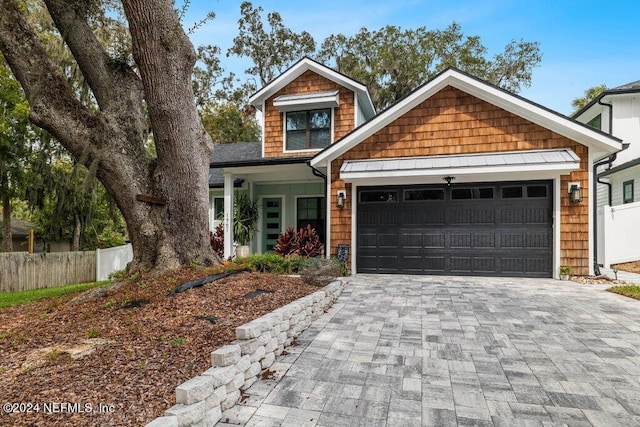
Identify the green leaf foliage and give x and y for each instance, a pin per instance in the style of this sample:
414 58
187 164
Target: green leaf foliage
272 49
227 122
393 61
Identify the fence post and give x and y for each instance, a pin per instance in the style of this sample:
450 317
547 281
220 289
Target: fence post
606 222
97 264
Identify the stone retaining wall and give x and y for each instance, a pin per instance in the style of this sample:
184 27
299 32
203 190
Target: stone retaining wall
235 367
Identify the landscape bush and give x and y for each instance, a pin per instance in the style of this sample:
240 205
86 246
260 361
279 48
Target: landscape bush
274 263
216 239
304 242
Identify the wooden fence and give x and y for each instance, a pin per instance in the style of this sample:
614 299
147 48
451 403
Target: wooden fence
22 271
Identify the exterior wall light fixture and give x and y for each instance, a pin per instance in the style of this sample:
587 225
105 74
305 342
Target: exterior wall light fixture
342 197
448 179
575 191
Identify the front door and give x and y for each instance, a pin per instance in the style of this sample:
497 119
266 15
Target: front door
271 222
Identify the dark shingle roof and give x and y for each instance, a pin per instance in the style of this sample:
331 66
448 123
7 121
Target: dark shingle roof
232 152
632 87
236 152
243 154
626 87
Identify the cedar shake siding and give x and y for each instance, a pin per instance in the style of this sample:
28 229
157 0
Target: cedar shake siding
454 122
308 82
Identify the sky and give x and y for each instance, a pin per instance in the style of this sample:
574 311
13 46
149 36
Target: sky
583 43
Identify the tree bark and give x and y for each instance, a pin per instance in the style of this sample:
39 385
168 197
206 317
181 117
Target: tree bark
112 140
75 245
7 237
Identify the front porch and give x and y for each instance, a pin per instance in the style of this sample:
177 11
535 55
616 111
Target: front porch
287 194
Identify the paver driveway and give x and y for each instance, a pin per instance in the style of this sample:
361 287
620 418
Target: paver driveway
416 350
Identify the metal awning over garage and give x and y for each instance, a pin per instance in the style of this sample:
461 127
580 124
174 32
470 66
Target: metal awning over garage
531 164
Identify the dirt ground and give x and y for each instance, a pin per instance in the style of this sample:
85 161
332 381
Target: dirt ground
144 344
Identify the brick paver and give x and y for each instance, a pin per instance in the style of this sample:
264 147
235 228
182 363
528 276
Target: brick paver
416 350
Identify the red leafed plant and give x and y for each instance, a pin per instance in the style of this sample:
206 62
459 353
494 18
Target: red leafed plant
305 242
217 240
287 242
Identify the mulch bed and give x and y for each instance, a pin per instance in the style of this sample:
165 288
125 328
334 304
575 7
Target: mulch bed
631 267
155 343
596 280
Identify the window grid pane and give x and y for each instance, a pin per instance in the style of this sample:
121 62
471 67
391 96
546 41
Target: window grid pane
308 129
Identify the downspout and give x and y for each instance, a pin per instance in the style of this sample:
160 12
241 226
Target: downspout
609 160
319 174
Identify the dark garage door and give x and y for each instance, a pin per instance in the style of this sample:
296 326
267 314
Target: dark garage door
486 229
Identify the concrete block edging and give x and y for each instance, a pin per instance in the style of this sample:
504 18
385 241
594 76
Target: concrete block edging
236 366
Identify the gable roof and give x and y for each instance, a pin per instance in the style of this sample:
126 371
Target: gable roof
306 64
485 91
632 87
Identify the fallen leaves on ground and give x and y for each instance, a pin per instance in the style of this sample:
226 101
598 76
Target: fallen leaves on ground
154 346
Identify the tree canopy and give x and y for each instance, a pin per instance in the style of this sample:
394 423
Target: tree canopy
131 94
590 94
390 61
272 50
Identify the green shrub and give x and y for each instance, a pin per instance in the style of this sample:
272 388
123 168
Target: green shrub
271 263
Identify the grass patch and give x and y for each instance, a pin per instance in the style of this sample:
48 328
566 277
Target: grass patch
8 299
631 291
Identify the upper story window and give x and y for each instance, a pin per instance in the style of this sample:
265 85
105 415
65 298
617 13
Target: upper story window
596 122
308 130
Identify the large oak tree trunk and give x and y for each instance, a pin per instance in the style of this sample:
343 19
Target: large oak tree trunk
163 200
7 237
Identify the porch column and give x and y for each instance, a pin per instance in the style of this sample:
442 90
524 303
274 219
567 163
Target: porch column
228 215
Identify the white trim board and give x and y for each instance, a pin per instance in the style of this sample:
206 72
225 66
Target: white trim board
451 77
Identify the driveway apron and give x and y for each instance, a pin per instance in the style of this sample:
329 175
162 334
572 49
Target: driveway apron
447 351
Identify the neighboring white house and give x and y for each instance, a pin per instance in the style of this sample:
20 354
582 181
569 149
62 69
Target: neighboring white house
617 112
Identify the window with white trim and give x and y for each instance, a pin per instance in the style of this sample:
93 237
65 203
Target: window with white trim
308 130
627 192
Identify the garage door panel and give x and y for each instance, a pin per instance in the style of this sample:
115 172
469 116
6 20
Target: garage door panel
512 216
484 241
411 240
388 241
483 216
512 265
484 265
433 216
483 234
537 216
378 264
537 265
368 240
524 240
412 218
542 240
434 264
460 240
388 264
460 264
434 240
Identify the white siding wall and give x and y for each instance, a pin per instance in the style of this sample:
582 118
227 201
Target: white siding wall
623 176
626 126
360 118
